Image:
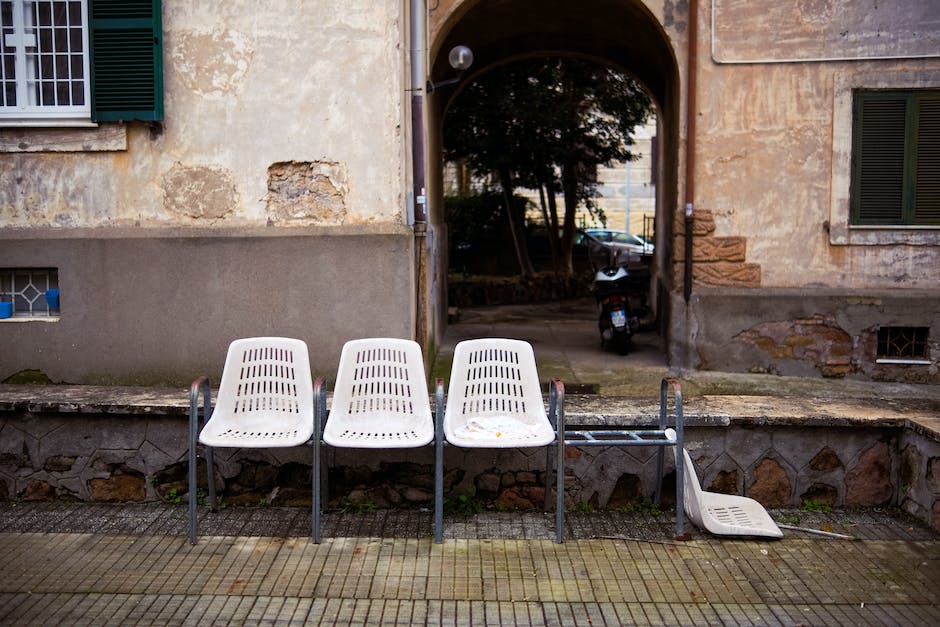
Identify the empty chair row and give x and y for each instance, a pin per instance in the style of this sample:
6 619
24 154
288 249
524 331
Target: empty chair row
267 399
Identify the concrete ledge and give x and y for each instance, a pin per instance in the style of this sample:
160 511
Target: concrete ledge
920 415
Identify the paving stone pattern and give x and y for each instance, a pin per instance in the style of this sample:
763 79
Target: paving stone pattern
80 564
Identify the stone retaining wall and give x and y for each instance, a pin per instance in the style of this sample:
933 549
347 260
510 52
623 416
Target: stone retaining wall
100 457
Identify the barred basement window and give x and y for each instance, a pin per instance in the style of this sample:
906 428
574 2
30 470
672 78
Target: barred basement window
903 345
29 292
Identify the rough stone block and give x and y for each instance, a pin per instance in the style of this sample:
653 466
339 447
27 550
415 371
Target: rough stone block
712 249
118 488
868 483
771 484
825 460
724 274
627 491
38 490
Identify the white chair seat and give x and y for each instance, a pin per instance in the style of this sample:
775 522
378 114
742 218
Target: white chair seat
723 514
266 400
494 398
381 396
499 431
265 397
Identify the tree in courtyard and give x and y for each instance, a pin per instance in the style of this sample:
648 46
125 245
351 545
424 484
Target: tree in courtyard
546 124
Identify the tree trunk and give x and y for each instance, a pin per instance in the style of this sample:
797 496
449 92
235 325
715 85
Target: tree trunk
515 229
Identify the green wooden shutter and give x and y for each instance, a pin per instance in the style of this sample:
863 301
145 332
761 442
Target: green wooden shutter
927 178
126 60
878 179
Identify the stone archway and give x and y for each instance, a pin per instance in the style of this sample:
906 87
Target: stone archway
625 34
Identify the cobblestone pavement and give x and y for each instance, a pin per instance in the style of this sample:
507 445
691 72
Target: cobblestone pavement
75 563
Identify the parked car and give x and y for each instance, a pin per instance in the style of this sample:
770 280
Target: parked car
602 245
621 239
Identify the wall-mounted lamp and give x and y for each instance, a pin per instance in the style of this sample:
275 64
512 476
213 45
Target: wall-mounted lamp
460 58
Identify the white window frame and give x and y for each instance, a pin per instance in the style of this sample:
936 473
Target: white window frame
25 40
841 230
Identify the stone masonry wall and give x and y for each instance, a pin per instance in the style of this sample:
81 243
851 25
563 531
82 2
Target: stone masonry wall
143 458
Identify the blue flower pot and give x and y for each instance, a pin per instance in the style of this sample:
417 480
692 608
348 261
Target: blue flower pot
6 310
52 299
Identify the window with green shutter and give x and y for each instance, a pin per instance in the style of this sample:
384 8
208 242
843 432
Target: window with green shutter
75 61
127 60
896 158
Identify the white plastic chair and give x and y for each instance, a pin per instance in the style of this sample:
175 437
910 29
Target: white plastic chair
265 400
380 399
494 401
722 514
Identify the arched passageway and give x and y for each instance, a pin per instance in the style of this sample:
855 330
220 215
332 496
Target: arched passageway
624 34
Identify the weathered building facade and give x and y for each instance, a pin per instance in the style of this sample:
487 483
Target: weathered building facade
288 181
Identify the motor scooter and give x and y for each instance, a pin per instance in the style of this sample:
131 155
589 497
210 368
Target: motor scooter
616 320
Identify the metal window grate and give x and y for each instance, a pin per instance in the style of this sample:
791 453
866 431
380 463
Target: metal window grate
903 342
43 58
27 288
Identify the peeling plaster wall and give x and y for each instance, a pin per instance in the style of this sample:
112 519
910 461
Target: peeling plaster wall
247 85
774 138
270 201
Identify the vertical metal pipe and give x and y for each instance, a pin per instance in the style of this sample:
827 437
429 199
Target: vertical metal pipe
691 115
439 461
418 81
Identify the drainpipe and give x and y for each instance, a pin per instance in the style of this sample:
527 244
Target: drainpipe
690 145
419 184
418 81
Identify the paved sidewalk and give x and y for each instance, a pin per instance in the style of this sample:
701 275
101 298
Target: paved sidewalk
132 565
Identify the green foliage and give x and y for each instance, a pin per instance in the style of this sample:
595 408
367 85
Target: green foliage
462 505
547 124
812 505
349 507
173 497
583 507
653 509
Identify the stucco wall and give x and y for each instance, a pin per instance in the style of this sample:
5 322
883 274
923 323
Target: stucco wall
161 308
271 199
250 88
810 331
774 138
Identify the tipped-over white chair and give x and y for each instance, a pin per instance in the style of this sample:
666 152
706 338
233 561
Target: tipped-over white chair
494 401
722 514
380 400
265 400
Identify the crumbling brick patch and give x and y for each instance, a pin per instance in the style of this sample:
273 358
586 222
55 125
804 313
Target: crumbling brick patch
311 192
818 340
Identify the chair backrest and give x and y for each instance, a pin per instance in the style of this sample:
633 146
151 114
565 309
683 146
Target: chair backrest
266 375
381 395
493 377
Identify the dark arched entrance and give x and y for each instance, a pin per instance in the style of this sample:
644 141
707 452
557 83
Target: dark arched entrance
621 33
